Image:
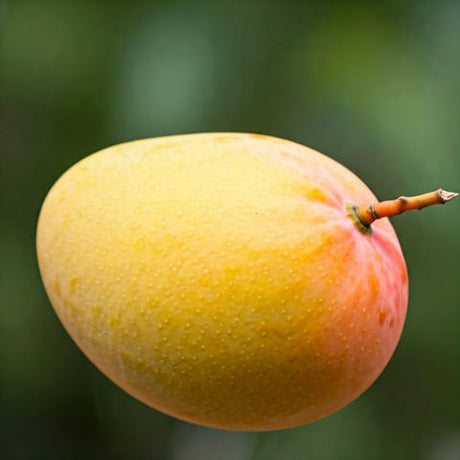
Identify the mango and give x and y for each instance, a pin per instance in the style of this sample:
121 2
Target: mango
219 277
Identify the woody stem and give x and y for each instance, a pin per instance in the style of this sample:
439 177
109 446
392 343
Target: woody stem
367 213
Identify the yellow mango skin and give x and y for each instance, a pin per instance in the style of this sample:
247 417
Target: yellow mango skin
218 278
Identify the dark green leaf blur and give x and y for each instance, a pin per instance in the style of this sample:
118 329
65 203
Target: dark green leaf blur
375 85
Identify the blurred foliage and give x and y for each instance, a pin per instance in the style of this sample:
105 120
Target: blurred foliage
376 85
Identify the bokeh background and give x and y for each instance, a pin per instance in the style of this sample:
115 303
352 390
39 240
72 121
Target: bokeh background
376 85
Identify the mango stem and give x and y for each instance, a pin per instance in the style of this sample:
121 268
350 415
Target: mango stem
367 213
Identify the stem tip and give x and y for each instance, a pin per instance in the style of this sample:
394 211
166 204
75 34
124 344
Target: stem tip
446 196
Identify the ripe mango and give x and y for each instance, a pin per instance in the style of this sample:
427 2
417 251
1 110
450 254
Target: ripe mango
220 279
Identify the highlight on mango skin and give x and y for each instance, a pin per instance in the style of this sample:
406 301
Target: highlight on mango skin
236 281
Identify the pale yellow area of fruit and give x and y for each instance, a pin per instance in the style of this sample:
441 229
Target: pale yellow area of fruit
218 278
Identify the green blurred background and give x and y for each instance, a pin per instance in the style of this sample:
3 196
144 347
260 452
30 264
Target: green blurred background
376 85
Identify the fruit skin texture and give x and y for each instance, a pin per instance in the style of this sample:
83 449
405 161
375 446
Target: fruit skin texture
218 278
